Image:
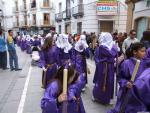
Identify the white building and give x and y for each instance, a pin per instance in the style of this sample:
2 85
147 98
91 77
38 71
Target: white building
34 16
76 16
141 17
7 14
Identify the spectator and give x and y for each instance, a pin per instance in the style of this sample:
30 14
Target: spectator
13 58
131 39
120 40
3 52
146 38
125 35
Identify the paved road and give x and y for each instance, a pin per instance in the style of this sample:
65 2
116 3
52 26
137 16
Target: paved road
21 92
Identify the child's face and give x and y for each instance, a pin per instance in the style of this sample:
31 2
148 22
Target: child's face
140 53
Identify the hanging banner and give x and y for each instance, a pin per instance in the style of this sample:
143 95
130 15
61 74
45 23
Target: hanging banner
106 7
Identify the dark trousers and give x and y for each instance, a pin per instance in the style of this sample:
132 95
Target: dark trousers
13 60
3 59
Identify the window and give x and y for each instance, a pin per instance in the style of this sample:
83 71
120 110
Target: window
34 19
59 29
46 18
45 3
17 20
106 26
33 4
79 27
16 4
148 3
60 7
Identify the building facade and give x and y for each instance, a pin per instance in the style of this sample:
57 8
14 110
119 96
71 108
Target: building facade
140 16
76 16
34 16
6 14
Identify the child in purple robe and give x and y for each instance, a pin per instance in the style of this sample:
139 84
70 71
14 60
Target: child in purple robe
53 98
105 56
49 60
136 51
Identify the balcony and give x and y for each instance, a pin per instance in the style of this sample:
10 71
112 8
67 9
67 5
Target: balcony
59 17
33 6
67 14
78 11
45 23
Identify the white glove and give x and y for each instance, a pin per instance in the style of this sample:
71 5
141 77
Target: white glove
44 69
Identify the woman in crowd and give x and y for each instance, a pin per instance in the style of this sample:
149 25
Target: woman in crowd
49 60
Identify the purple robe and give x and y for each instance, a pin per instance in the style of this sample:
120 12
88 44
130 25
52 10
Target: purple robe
49 102
125 73
64 56
79 60
23 45
142 90
28 47
50 57
104 74
36 43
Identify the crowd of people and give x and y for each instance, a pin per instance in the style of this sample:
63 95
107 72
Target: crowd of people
119 58
13 58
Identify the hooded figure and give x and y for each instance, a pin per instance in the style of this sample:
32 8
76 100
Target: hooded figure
28 44
105 55
65 49
80 52
23 43
81 44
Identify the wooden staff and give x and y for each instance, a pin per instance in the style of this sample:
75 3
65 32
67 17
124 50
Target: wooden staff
115 81
65 77
105 76
125 101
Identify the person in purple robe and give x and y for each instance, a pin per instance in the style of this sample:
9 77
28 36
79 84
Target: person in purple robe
79 54
105 55
49 60
65 49
53 98
23 43
141 93
136 51
18 40
35 43
28 44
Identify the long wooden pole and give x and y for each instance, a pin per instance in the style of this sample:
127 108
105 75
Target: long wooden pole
65 77
125 101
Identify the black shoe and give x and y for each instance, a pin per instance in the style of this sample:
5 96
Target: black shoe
12 69
18 69
5 68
